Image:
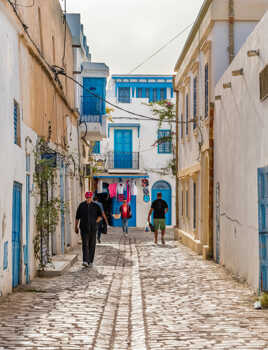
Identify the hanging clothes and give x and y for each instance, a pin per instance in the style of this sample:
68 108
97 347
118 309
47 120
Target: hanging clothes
133 189
120 188
99 187
113 190
128 192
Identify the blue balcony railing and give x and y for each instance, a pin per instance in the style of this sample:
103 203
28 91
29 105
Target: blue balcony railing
91 105
123 160
91 119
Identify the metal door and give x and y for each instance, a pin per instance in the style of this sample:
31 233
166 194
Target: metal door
26 251
218 218
263 226
123 149
165 189
16 234
62 190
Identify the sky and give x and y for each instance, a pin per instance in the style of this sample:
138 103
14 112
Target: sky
123 33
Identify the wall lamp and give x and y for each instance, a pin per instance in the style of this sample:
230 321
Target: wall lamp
218 98
238 72
227 85
252 53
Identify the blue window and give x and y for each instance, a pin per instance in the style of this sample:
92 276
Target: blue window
147 93
124 94
163 94
195 102
96 148
139 93
182 126
164 147
206 90
16 119
194 205
187 114
94 93
154 99
5 262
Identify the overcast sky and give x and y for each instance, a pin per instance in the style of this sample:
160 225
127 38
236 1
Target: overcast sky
123 33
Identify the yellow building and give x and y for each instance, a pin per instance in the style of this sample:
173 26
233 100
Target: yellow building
217 35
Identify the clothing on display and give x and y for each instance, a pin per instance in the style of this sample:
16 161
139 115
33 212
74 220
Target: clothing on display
120 188
133 188
99 187
128 192
113 190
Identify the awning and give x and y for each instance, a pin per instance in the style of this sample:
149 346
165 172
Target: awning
125 176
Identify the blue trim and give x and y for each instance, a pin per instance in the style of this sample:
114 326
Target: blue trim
146 77
123 125
121 176
164 148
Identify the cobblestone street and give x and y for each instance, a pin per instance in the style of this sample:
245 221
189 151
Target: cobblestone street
138 296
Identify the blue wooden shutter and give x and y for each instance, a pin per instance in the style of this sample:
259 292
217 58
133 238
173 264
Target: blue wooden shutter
194 205
124 94
96 148
16 122
164 147
139 93
94 93
206 90
163 94
154 97
187 114
195 102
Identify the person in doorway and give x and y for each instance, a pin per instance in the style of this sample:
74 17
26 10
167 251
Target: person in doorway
100 224
159 208
88 214
126 214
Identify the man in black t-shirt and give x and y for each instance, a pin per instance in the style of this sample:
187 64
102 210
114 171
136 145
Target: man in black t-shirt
89 214
160 208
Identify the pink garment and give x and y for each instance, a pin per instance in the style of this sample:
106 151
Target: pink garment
128 193
112 190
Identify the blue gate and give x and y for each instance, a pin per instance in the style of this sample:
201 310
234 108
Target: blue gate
165 189
115 210
263 226
62 175
123 149
16 234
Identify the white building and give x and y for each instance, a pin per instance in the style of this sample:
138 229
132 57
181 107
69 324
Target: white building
241 162
129 151
221 28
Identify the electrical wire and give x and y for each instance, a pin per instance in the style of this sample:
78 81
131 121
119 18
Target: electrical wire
161 48
60 71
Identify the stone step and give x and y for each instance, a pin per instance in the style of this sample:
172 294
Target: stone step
59 265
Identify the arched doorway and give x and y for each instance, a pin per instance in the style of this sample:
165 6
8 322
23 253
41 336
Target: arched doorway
165 188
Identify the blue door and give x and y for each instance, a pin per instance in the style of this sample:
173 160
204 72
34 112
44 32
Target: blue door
62 207
26 252
115 210
16 234
165 189
263 226
123 149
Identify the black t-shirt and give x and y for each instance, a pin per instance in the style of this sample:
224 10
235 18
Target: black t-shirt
159 206
87 214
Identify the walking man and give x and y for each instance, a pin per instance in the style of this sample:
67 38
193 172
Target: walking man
100 224
126 214
160 208
89 214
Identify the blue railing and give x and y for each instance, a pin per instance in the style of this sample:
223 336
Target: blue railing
91 119
123 160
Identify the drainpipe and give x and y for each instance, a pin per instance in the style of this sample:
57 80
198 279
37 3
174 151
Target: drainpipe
231 31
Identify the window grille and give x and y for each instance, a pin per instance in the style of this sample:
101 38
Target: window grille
124 95
164 147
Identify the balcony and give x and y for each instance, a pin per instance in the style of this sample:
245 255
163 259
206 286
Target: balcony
123 160
92 121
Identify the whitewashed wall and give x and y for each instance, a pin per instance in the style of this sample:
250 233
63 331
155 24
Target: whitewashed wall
241 147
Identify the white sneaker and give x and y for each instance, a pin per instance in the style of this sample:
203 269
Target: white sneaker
85 264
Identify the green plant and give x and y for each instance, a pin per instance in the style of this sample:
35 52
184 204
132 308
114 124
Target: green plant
49 208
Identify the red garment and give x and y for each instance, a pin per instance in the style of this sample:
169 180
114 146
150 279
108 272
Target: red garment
124 212
128 193
112 190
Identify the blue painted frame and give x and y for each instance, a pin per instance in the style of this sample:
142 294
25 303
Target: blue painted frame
166 190
166 147
121 160
16 233
125 126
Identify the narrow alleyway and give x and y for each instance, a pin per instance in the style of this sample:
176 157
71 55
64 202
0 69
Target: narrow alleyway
137 297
